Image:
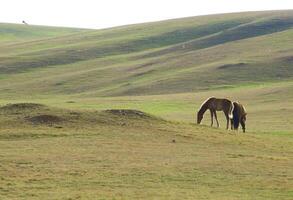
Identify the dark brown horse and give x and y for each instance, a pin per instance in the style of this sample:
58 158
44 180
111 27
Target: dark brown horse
239 116
214 104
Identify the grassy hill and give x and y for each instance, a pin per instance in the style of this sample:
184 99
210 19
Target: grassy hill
110 113
175 56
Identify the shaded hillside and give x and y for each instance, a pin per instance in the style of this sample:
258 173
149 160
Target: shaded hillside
182 55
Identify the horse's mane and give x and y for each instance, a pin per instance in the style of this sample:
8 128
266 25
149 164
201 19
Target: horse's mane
203 106
244 110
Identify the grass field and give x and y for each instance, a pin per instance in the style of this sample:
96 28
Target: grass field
64 133
101 155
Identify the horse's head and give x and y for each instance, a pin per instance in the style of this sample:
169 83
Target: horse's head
199 117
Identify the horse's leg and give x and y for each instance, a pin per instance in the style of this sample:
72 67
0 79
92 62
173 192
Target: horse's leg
227 118
215 113
243 125
232 124
212 118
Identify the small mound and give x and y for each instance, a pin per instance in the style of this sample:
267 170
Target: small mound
45 119
128 113
22 106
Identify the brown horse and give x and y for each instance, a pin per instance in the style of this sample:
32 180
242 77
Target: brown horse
214 104
239 116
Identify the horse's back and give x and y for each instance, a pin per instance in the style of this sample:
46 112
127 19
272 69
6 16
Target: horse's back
223 104
217 103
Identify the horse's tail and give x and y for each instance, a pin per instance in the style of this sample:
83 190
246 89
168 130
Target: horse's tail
231 108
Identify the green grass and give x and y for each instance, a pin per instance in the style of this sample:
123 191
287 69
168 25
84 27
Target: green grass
166 69
102 155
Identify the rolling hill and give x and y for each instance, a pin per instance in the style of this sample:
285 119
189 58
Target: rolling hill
173 56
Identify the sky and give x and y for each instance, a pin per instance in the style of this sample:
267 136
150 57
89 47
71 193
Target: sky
99 14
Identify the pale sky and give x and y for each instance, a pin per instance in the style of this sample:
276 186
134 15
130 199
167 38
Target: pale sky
109 13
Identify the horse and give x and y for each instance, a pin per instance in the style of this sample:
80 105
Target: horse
215 104
239 116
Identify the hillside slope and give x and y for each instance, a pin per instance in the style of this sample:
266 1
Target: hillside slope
173 56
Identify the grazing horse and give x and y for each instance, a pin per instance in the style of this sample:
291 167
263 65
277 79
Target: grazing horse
239 116
214 104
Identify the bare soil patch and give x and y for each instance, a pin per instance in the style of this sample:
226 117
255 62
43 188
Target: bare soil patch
45 119
128 113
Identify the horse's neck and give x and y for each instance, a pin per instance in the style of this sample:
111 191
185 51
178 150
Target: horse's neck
203 109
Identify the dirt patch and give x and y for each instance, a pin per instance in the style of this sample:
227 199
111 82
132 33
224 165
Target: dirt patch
45 119
232 66
128 113
22 106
